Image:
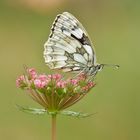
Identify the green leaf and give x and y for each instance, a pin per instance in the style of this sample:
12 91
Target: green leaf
37 111
75 114
32 110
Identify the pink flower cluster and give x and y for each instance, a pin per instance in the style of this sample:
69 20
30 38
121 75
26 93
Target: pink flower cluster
64 92
88 86
41 81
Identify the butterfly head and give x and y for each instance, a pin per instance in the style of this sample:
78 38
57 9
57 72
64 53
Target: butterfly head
93 70
99 67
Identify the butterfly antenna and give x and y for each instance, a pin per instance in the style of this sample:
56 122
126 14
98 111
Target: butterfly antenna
111 65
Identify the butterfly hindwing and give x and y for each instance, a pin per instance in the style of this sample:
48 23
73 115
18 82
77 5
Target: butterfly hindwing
68 47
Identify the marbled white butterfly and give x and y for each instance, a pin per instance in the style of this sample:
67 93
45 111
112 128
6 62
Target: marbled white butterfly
69 47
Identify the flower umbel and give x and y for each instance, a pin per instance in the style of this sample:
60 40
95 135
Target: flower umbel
52 91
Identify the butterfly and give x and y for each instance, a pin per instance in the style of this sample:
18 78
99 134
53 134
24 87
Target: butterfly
69 48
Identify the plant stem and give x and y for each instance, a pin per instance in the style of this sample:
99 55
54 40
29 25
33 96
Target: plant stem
53 126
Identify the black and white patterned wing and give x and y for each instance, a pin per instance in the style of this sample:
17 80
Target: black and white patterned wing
68 47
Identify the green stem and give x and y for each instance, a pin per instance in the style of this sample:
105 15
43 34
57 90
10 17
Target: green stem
53 126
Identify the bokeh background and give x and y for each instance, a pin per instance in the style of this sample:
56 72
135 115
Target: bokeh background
114 27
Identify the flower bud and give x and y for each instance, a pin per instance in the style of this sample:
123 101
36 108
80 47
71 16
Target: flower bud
20 81
32 73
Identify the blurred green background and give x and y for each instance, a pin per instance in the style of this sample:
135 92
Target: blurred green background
114 27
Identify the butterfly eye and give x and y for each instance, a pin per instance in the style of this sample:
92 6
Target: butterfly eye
99 67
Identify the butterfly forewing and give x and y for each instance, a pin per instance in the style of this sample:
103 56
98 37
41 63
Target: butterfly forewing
68 47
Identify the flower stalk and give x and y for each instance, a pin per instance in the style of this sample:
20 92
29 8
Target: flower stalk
54 127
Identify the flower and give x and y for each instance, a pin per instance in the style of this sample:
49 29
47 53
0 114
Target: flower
20 81
57 76
42 77
32 73
40 83
91 84
61 84
74 81
54 92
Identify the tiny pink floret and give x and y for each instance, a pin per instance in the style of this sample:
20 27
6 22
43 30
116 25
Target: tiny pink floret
42 77
56 76
20 80
40 84
49 76
82 76
61 84
32 72
74 81
91 84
